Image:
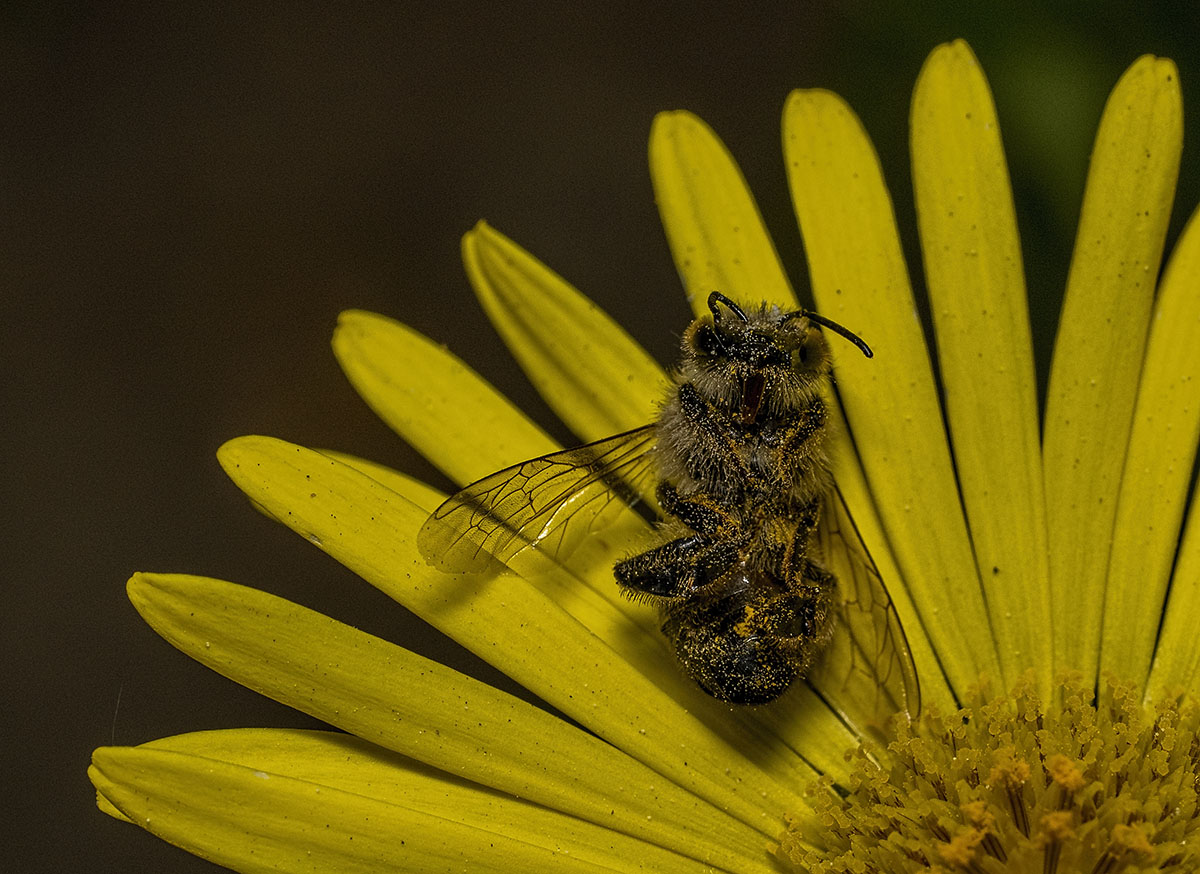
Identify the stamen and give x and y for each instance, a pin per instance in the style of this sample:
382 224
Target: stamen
1010 784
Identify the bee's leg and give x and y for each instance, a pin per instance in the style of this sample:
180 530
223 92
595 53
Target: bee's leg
701 514
677 568
786 548
806 424
798 441
802 619
705 434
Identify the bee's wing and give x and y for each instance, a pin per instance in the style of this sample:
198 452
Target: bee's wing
546 502
866 673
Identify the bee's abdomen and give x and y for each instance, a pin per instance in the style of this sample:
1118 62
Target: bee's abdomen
746 643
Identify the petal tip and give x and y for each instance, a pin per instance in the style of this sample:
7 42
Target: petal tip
1150 68
481 230
353 317
238 450
674 123
228 451
949 55
485 239
136 582
144 588
351 325
671 116
815 101
957 48
1168 73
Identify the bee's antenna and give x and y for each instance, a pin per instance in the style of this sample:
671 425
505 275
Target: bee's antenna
837 329
716 297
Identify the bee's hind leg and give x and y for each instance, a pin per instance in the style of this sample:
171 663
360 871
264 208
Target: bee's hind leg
675 569
680 567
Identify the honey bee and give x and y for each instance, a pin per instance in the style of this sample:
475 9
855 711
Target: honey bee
760 577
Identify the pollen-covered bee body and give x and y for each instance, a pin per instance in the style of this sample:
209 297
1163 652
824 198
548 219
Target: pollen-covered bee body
740 448
760 576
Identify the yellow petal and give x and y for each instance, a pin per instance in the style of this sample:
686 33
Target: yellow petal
712 223
1099 349
972 259
1177 658
409 704
347 764
292 801
448 412
852 483
505 620
590 371
1158 473
859 279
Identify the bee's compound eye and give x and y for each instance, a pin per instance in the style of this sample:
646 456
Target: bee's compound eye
708 340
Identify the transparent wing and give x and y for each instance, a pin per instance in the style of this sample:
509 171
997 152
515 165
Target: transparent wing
866 672
548 503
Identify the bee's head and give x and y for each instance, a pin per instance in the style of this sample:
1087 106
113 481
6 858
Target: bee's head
767 357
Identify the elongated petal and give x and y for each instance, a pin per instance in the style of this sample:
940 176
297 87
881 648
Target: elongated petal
860 280
852 483
504 620
976 287
592 373
403 702
432 399
254 809
348 764
1177 658
1099 349
712 222
1158 472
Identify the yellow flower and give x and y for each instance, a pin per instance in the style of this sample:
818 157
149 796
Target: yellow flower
1012 553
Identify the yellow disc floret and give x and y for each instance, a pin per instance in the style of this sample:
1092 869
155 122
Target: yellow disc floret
1087 784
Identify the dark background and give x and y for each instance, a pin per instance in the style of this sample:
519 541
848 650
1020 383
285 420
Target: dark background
190 196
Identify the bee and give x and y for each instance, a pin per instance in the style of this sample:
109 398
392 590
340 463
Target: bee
760 576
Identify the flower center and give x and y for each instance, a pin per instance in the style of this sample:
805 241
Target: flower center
1007 784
